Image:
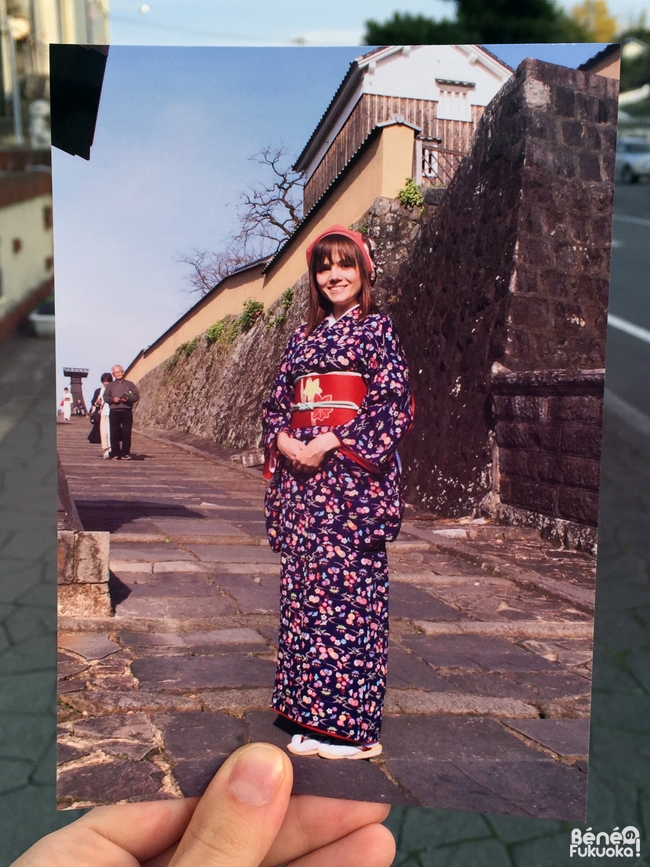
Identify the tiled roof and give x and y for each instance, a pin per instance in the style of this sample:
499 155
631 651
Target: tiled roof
606 52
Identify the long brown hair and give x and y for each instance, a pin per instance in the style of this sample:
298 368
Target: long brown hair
337 248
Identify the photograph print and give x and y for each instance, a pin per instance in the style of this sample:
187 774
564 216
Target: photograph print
342 315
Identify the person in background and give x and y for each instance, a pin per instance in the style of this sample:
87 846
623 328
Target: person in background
104 413
121 395
66 403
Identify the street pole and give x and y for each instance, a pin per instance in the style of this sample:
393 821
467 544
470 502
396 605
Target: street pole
18 115
5 51
41 48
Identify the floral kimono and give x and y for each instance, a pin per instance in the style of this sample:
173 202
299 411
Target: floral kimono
332 526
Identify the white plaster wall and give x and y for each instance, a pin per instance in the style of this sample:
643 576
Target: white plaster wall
49 21
23 271
414 76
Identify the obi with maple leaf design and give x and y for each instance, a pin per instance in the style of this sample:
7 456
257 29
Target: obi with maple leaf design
327 398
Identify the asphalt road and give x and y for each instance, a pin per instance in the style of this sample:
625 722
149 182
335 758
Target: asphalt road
628 355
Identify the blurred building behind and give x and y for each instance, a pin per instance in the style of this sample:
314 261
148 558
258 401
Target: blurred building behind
27 28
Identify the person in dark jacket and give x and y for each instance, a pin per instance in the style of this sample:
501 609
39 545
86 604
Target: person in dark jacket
121 395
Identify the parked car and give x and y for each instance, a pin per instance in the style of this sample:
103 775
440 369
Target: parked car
632 159
42 319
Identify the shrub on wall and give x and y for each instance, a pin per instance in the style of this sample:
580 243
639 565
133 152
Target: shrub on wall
252 312
410 196
183 351
224 331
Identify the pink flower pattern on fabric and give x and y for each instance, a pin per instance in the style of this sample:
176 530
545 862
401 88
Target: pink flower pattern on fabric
332 527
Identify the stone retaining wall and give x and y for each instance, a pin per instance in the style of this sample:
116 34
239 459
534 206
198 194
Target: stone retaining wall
512 268
548 433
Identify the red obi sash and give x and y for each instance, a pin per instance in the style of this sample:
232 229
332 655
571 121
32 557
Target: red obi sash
327 399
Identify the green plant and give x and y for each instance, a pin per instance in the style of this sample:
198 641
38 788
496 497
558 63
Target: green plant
183 351
223 332
173 361
214 332
188 348
286 300
410 196
252 312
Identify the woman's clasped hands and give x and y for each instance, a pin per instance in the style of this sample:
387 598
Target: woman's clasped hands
246 818
306 457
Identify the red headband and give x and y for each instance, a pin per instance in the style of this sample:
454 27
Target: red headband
355 237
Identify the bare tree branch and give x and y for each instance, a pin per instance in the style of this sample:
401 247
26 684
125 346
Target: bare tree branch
208 268
268 214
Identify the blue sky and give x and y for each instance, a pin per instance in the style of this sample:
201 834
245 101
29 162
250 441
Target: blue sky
281 22
175 132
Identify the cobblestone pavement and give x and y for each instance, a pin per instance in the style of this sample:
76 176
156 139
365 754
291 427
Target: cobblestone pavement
489 666
27 595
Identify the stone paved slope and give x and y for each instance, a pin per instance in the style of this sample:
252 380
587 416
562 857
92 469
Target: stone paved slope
489 666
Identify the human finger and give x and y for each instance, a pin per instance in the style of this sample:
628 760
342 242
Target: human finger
240 813
313 822
163 859
371 846
316 825
120 836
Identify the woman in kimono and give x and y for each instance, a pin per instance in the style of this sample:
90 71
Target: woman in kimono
104 411
338 408
66 403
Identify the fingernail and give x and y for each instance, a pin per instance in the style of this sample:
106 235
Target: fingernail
256 774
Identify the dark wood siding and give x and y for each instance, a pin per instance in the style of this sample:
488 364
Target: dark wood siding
373 109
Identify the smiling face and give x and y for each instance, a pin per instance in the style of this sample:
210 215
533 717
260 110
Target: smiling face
339 279
118 373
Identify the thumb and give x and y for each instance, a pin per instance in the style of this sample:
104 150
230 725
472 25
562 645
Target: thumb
241 812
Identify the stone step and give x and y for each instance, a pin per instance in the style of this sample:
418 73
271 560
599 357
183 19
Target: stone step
564 737
407 701
403 546
157 625
413 701
430 578
198 538
495 565
509 628
160 566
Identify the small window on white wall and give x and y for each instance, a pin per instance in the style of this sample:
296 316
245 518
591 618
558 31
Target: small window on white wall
429 162
454 103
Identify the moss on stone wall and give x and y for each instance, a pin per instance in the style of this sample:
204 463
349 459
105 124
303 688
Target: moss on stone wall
216 391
